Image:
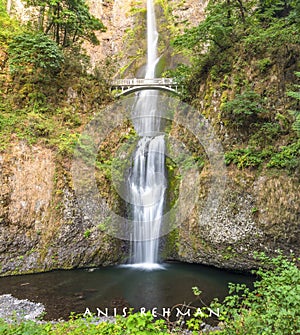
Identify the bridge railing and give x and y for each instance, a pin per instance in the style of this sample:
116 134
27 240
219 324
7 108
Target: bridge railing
143 82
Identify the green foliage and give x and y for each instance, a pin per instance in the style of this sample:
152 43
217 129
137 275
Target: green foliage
246 157
87 233
287 158
271 308
9 26
181 75
250 28
134 324
114 165
276 33
296 124
220 28
67 21
264 64
26 328
6 121
275 23
296 113
34 52
138 323
244 108
265 135
196 291
66 142
247 103
34 101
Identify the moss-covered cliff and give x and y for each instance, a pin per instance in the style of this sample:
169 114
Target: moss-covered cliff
43 111
243 64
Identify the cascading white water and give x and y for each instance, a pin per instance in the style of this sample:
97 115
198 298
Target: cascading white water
147 181
152 39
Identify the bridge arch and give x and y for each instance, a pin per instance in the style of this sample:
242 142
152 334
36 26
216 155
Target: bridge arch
142 88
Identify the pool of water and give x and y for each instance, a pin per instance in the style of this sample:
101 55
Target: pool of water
111 289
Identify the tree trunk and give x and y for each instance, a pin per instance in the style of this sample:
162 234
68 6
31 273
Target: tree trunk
57 39
41 18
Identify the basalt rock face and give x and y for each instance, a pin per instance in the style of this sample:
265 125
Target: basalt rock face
260 208
253 211
257 213
42 227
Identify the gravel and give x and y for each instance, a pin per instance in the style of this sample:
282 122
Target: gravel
15 309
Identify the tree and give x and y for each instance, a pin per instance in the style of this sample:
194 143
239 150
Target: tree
66 21
225 22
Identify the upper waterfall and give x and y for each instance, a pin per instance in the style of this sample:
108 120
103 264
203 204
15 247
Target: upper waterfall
152 40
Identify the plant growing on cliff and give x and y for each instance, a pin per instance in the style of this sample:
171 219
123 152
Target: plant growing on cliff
232 32
32 53
230 21
296 113
287 158
244 108
219 29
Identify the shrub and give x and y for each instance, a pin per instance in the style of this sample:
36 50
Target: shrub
287 157
271 308
244 108
31 52
246 157
264 64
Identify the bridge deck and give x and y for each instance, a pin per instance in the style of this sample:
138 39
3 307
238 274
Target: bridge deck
135 84
143 82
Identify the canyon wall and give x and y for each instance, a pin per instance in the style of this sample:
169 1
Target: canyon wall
43 228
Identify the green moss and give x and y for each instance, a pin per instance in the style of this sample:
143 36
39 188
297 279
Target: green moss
87 233
103 226
111 161
171 245
229 253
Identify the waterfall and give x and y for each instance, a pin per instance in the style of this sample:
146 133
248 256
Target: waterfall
147 181
152 40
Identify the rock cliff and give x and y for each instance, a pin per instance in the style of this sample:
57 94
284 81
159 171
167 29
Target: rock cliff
43 228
